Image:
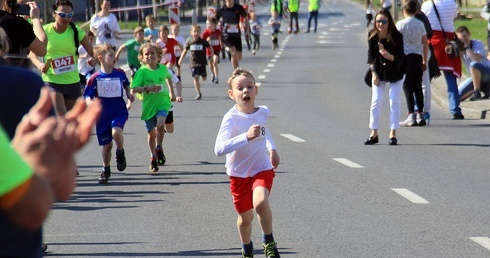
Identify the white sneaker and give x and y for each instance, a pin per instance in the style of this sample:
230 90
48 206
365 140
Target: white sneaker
410 121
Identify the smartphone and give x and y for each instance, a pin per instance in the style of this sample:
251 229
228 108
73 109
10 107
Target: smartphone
22 9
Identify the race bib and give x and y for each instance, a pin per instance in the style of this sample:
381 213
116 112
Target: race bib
136 48
177 51
262 132
196 47
232 28
214 42
63 65
109 87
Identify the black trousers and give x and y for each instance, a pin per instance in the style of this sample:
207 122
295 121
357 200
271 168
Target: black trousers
412 86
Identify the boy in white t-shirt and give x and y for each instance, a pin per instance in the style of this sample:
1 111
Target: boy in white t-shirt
85 70
250 159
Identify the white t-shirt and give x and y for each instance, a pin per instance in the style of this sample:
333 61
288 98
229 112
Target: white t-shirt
83 66
106 27
447 9
244 158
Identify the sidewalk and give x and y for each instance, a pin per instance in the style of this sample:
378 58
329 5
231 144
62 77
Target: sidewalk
479 109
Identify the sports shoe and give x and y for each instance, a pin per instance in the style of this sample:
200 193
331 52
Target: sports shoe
160 156
120 160
216 80
104 177
475 96
213 78
253 52
198 96
246 256
410 121
270 250
457 116
154 165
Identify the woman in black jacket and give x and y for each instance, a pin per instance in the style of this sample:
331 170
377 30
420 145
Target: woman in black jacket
385 59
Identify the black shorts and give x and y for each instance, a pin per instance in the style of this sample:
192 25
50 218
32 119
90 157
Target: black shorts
170 117
233 41
69 91
199 71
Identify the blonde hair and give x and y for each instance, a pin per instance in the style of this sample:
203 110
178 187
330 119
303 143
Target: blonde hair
149 17
195 27
101 49
163 28
4 42
239 72
157 48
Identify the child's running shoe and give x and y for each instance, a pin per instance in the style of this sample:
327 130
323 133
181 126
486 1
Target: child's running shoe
120 160
160 156
246 255
270 250
154 165
104 177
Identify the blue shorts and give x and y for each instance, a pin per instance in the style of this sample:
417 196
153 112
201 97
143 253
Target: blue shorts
151 123
112 116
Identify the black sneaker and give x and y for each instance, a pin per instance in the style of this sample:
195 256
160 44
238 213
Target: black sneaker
270 250
104 177
120 160
160 156
154 165
475 96
458 116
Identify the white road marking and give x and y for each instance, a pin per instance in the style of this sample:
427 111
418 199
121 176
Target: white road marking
260 77
273 60
258 84
277 56
292 138
483 241
270 65
279 52
348 163
409 195
267 70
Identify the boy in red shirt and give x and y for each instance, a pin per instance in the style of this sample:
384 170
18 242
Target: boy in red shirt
213 36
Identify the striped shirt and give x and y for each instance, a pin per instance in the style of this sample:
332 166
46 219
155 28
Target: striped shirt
448 10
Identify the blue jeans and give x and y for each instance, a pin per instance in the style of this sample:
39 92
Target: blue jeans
467 85
311 15
452 92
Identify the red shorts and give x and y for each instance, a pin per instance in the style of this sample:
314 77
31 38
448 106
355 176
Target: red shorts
242 189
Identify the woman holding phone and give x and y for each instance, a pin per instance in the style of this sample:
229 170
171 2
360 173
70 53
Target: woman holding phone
385 59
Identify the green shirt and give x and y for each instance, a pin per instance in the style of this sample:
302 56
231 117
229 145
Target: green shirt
61 50
313 5
153 101
133 46
13 170
293 6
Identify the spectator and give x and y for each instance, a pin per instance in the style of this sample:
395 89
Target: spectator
22 35
477 65
313 6
104 25
441 14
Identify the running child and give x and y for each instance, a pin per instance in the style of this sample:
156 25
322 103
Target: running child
251 157
132 46
197 46
213 36
275 23
85 69
255 26
175 34
109 84
150 81
168 46
150 32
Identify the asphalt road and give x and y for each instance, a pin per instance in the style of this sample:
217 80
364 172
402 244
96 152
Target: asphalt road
332 196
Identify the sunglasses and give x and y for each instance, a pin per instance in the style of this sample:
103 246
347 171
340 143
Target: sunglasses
64 15
382 21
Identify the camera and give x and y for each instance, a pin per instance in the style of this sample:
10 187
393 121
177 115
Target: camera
19 9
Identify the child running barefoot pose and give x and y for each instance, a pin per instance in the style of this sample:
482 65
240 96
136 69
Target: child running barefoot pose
150 81
250 159
109 85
